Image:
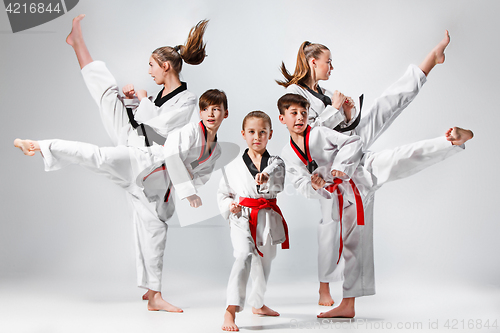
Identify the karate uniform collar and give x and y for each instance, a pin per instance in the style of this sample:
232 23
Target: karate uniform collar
319 95
305 157
252 167
204 155
159 101
327 101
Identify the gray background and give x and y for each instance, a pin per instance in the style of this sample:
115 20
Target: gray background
67 234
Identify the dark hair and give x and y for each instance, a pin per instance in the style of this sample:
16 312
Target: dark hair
257 114
287 100
213 97
192 52
302 71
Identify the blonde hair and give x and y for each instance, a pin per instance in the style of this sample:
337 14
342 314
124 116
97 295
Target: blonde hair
257 114
192 52
302 70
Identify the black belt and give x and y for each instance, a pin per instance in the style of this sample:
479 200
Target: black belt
135 124
355 122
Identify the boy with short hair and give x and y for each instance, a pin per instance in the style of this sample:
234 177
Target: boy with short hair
332 167
247 198
184 163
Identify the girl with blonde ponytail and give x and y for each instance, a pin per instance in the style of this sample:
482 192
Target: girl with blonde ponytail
338 112
137 120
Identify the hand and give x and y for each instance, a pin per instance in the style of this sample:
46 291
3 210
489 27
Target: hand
234 208
129 91
261 178
142 94
338 174
348 106
317 181
194 201
338 99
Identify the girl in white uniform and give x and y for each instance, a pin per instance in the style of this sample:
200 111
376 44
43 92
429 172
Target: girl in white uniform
338 112
185 161
318 159
138 121
247 198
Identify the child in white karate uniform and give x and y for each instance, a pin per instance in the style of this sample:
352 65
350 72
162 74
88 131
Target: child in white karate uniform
247 198
337 111
333 168
138 121
188 156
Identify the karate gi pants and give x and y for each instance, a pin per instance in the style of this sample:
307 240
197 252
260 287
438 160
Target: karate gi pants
248 263
384 166
150 232
389 106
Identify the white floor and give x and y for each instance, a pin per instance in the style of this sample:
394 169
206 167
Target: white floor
40 306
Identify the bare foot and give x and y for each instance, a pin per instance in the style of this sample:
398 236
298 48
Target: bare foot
157 303
75 39
229 318
325 298
458 136
436 56
27 146
344 310
439 49
145 297
75 36
265 311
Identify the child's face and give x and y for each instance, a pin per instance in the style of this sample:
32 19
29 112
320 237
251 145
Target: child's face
323 65
156 71
257 133
213 115
295 119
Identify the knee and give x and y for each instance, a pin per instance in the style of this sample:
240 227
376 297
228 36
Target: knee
244 258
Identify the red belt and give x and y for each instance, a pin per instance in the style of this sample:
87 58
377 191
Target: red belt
359 206
256 205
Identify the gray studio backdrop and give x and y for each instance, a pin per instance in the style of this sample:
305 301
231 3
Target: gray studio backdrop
71 228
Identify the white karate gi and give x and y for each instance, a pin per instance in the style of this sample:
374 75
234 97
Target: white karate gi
334 151
237 183
188 166
378 118
150 232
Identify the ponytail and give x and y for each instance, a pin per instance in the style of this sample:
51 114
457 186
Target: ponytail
302 71
192 52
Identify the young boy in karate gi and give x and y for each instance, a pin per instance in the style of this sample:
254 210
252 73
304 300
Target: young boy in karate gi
247 198
184 163
337 111
333 168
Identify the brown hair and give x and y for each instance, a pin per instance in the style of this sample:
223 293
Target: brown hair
213 97
302 71
192 52
257 114
288 99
